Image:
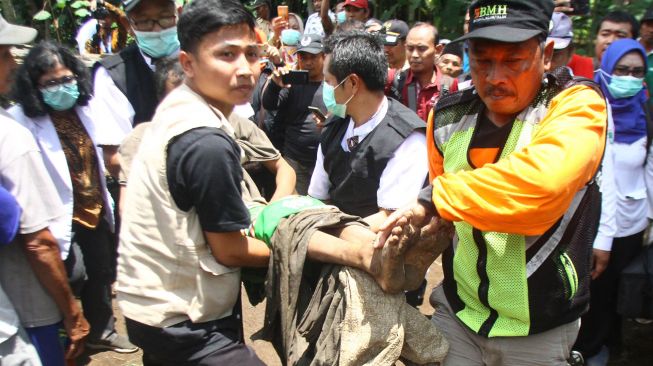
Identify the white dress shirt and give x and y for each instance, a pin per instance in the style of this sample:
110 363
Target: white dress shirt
116 107
403 177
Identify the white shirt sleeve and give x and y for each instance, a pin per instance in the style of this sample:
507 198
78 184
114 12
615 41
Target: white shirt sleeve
86 32
608 221
113 105
319 186
24 175
405 174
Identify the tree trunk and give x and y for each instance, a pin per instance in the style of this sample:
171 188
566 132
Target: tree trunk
8 11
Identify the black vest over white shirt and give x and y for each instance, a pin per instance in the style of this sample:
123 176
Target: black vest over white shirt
135 79
354 176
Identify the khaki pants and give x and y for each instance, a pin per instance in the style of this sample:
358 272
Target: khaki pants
466 348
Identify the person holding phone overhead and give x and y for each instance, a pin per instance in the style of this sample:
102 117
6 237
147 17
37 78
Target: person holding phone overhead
291 101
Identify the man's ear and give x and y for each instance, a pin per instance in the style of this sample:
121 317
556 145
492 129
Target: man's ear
438 49
355 82
548 54
187 62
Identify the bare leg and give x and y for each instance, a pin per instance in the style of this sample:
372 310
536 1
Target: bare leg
434 238
353 248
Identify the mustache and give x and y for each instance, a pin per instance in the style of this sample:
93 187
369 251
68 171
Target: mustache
498 90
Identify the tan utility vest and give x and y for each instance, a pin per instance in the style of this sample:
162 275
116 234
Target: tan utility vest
166 272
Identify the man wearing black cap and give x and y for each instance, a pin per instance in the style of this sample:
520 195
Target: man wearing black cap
301 136
262 9
450 61
512 162
394 34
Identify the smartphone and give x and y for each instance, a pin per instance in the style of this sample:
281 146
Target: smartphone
282 11
295 77
581 7
317 112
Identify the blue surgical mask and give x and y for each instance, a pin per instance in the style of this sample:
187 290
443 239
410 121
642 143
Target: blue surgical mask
62 98
341 17
329 99
158 44
290 37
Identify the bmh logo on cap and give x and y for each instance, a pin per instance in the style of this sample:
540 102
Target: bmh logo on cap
305 41
491 12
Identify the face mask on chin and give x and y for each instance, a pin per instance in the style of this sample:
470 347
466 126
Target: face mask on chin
158 44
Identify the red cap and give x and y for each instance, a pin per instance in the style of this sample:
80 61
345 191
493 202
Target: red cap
357 3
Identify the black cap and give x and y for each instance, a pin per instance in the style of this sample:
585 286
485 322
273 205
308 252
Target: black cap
311 43
128 5
454 48
510 21
393 31
648 15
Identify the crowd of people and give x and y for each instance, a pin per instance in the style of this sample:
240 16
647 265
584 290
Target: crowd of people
323 165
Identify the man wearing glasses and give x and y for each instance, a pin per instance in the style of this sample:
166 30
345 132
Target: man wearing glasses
124 82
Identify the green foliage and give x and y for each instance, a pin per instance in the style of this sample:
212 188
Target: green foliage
60 19
42 15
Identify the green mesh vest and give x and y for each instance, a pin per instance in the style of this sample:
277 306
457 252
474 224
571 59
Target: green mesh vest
501 284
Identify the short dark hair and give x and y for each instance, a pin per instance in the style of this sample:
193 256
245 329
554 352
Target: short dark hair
200 18
168 68
358 53
619 16
434 29
44 57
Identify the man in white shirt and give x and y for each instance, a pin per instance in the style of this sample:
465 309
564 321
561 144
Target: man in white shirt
315 21
372 154
124 83
32 274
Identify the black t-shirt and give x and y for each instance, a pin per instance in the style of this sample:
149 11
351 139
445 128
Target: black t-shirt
301 136
204 172
487 142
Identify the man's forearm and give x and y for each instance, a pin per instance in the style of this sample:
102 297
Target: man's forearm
44 257
327 24
233 249
285 178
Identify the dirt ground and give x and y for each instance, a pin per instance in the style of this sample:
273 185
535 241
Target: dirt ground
638 339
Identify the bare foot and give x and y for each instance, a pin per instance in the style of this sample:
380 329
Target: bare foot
434 238
391 275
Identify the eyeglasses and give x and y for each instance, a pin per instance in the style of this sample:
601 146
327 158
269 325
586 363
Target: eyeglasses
54 84
638 72
147 25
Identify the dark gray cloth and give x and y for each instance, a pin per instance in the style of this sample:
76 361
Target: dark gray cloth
289 292
325 314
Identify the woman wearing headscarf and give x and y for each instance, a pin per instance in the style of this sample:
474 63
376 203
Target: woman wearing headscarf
53 92
620 77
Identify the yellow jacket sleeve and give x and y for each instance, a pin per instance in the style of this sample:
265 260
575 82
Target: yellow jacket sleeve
528 191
